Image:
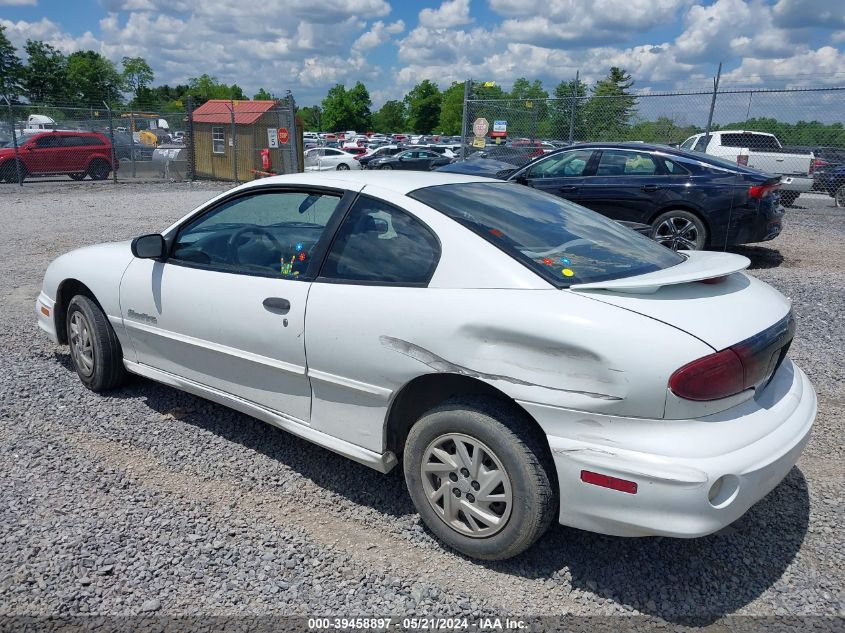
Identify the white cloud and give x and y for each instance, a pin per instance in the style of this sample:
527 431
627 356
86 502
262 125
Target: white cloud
824 14
378 34
50 32
450 14
18 3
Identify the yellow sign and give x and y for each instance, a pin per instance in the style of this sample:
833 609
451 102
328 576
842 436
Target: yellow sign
489 84
529 104
479 141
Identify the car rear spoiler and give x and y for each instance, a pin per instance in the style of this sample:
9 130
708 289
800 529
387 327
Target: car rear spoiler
698 266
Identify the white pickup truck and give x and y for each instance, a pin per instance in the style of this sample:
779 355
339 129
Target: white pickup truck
762 151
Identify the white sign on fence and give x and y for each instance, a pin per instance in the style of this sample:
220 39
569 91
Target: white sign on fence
272 138
500 126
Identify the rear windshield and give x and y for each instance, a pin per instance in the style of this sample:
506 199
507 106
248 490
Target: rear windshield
561 241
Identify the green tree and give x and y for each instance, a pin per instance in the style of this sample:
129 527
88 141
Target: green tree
611 107
262 95
423 106
93 79
452 109
390 118
11 69
206 87
137 75
347 109
531 109
664 130
311 117
45 75
569 95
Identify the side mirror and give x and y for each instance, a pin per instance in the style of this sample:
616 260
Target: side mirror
149 246
522 179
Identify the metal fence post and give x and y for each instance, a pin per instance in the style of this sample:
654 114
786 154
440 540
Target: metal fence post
113 151
573 106
132 155
234 145
467 95
18 168
189 133
297 168
713 100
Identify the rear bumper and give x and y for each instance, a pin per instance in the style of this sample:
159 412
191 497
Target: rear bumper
694 493
801 184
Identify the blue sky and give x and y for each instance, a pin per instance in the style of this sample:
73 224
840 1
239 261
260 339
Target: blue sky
307 46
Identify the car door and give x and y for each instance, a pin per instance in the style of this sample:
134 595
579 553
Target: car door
42 155
406 160
73 151
627 185
331 159
379 266
226 309
560 174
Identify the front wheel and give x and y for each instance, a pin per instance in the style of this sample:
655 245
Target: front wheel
679 230
385 167
479 479
99 170
77 176
94 348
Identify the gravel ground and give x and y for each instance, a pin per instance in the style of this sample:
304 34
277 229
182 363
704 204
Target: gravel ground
152 501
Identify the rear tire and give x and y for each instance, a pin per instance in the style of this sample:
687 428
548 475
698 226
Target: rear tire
512 478
94 349
679 230
343 167
77 176
839 196
385 167
788 198
99 169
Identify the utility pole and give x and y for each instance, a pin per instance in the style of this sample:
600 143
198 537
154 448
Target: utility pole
573 106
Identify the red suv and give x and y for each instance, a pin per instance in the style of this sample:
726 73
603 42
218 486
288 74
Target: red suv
77 154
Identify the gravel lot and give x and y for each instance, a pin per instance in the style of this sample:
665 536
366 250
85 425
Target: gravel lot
149 500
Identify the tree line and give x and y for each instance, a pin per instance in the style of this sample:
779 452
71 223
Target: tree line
605 111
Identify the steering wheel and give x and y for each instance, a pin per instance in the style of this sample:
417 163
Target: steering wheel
232 246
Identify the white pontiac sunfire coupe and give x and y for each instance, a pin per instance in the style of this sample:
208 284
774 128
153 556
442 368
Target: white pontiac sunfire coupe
526 359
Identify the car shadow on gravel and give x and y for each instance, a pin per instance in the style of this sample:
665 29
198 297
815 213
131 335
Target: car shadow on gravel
685 581
760 256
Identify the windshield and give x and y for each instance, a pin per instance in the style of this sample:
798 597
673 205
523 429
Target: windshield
21 140
561 241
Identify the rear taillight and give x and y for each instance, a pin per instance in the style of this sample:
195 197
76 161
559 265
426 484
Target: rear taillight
761 191
742 160
716 376
817 162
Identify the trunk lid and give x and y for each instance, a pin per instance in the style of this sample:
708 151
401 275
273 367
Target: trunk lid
721 314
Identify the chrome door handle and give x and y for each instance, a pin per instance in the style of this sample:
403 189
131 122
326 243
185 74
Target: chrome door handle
277 304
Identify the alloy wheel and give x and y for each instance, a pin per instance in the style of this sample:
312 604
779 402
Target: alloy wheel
466 485
81 343
840 197
678 233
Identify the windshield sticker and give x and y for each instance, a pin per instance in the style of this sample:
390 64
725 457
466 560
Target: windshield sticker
496 233
565 260
299 246
547 261
567 272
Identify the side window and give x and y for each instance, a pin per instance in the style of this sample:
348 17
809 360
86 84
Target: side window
50 140
269 234
687 144
218 140
378 243
674 168
625 163
702 143
562 165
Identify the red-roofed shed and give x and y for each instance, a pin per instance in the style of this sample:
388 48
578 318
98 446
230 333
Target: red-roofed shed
256 122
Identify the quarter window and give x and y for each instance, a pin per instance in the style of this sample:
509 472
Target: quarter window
702 143
269 234
378 243
218 140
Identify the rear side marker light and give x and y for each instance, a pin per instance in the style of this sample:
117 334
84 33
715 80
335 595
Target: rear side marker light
45 311
606 481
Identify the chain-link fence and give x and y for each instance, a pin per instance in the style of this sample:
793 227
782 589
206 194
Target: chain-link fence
795 132
220 139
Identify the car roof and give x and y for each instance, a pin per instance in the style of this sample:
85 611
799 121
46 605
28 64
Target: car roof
401 184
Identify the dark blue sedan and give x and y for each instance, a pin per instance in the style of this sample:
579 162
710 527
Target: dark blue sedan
691 201
832 180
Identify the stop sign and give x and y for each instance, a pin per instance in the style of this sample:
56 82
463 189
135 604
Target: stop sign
480 126
284 137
